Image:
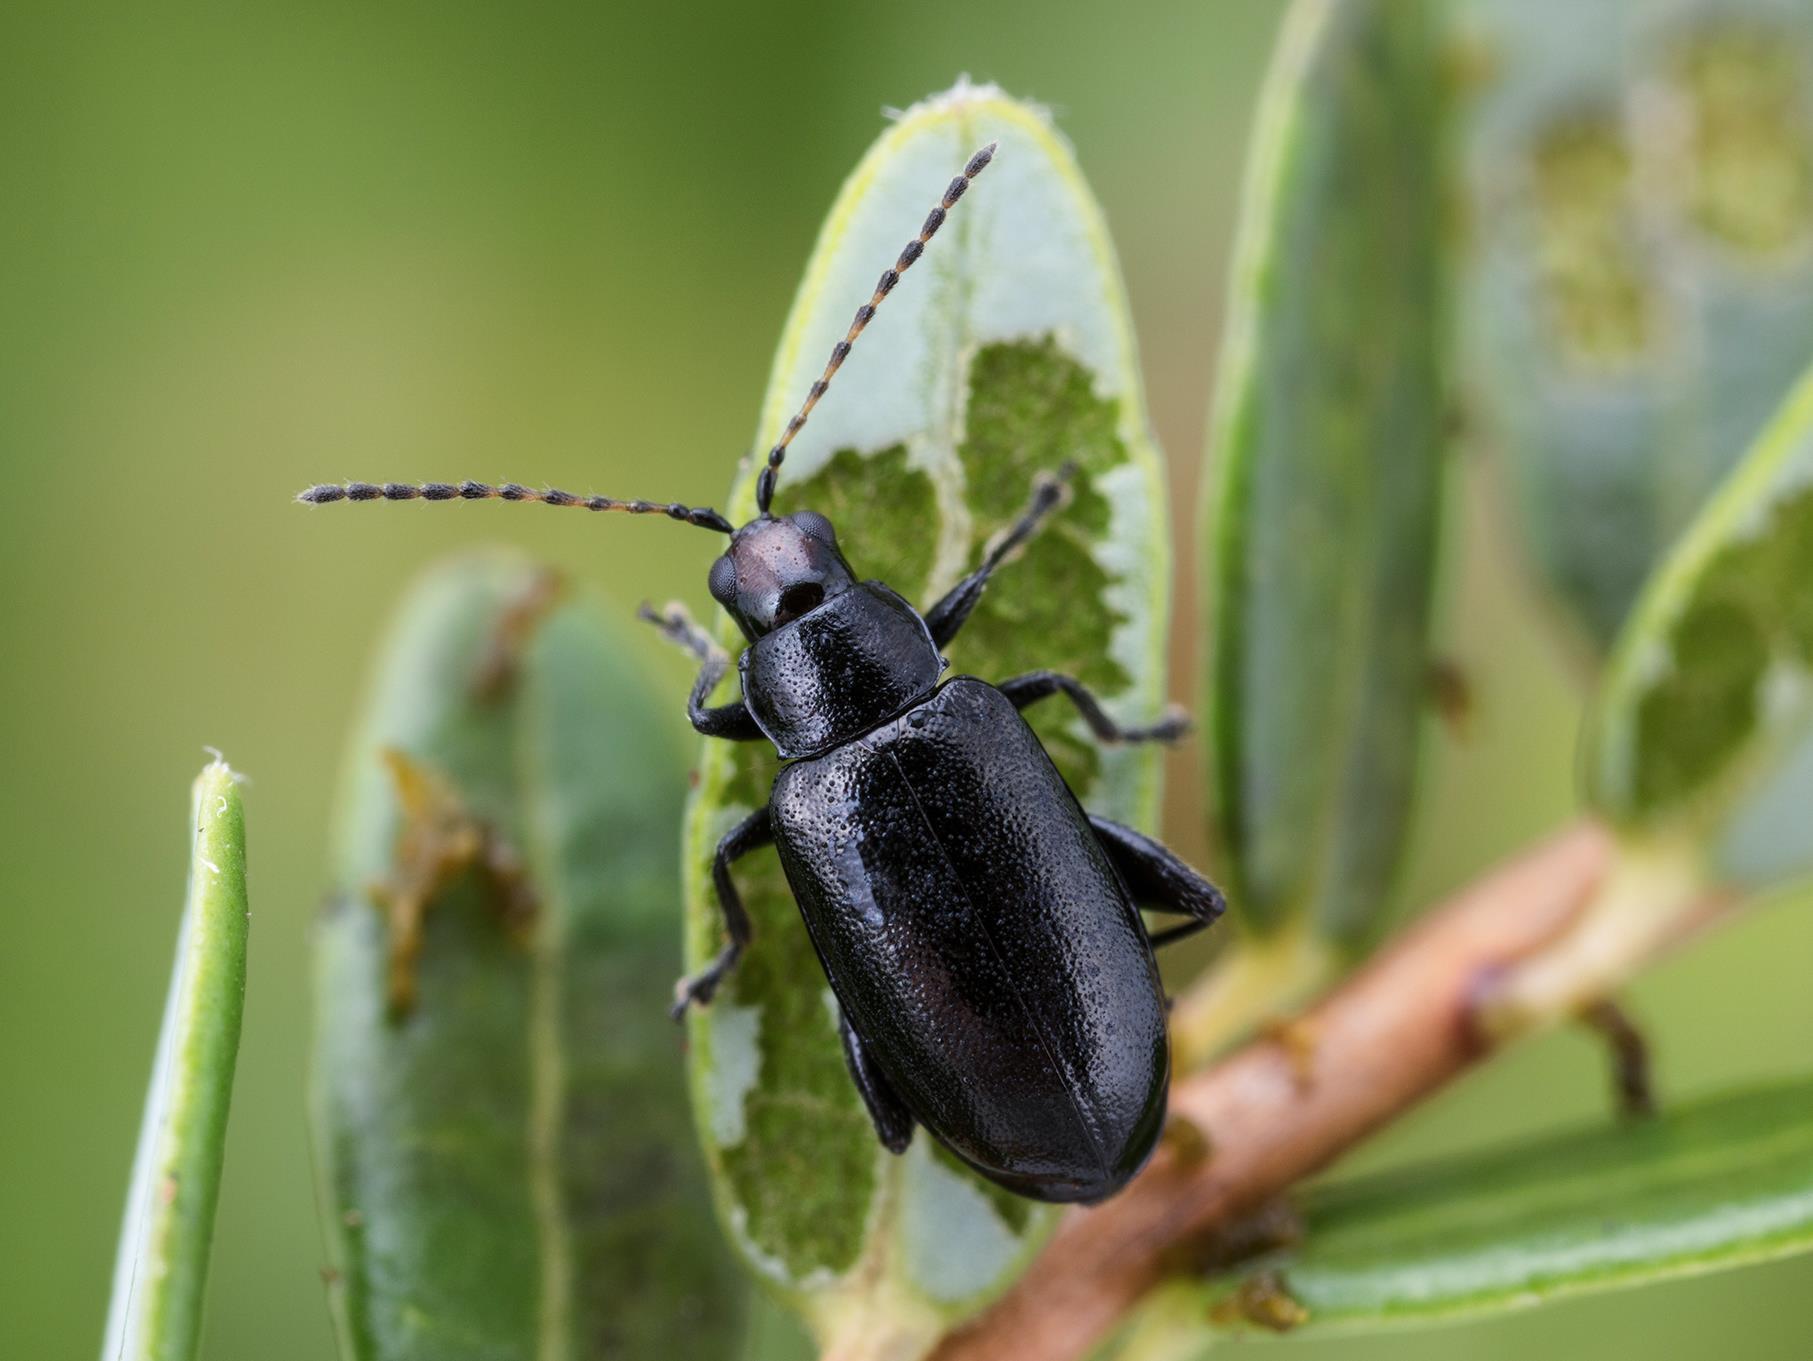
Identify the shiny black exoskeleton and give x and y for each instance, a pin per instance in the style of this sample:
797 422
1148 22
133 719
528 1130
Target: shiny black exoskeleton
981 931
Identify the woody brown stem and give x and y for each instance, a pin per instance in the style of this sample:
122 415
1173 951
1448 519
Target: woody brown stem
1275 1112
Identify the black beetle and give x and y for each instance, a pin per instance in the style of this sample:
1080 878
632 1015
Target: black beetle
980 930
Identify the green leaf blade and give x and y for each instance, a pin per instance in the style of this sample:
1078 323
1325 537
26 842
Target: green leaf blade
1640 294
1327 440
508 1169
1705 721
1006 352
161 1271
1718 1184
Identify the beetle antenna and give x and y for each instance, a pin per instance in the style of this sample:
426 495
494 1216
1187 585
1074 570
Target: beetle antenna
702 516
764 487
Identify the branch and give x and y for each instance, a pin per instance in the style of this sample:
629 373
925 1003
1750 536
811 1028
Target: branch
1284 1107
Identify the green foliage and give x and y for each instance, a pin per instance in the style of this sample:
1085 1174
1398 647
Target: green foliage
1707 706
505 1164
1641 289
1715 1184
1327 453
1004 353
162 1266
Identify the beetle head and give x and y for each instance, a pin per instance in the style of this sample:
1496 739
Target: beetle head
777 568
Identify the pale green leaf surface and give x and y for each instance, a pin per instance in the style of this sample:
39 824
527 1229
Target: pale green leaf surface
1716 1184
161 1269
1327 451
1705 720
508 1171
1005 352
1640 199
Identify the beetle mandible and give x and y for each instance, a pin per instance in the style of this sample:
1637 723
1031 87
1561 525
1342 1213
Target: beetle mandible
980 930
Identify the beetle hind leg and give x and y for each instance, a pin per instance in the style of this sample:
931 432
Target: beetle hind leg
893 1122
1159 880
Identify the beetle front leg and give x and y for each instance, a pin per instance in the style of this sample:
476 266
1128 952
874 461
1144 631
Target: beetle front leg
1159 880
730 721
1037 685
893 1122
949 614
753 831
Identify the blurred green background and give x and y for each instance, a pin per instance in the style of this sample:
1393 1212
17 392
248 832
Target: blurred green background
244 248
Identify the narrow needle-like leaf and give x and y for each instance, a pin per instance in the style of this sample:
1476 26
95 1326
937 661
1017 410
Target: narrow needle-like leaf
162 1267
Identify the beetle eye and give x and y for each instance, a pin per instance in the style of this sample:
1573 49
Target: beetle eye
811 523
797 599
722 583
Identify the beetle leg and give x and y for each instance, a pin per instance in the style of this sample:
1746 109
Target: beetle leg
1159 880
893 1122
751 832
947 616
730 721
1037 685
1172 934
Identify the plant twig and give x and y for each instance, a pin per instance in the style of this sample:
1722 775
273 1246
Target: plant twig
1283 1107
1245 987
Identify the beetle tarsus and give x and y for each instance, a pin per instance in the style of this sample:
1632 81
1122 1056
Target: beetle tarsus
948 615
699 988
730 721
681 629
1034 686
1174 726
